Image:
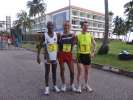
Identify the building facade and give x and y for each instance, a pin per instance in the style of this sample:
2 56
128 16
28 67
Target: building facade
8 23
2 26
77 15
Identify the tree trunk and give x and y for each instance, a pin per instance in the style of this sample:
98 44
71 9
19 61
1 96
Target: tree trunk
25 29
24 35
104 49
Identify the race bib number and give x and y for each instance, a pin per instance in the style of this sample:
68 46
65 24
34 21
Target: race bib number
66 47
83 48
52 47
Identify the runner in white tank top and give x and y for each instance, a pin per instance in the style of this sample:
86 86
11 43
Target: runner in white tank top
50 45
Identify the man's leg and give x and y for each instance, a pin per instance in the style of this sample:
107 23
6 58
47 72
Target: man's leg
47 70
71 70
80 72
54 67
79 76
87 69
62 69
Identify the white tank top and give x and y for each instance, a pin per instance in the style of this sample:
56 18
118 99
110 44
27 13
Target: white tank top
51 46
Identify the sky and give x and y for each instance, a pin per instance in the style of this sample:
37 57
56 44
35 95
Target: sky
12 7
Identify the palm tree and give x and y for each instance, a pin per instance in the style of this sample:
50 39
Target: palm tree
120 26
104 47
111 13
16 23
36 7
16 31
129 13
24 20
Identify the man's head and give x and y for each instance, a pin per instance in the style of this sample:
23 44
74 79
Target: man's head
66 26
50 26
84 26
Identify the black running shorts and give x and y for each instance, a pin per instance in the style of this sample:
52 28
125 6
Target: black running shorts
84 59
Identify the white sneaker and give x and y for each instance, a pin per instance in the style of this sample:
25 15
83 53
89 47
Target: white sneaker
88 88
47 91
79 89
63 88
73 88
56 89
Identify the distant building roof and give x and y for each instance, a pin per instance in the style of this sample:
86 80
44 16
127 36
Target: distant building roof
75 7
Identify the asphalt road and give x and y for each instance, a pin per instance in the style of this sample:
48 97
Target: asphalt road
21 78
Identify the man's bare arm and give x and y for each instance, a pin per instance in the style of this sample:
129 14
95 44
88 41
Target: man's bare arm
39 45
93 47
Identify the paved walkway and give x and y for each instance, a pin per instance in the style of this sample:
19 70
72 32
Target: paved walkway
21 78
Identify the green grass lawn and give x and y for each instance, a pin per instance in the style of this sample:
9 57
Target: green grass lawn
109 59
29 46
112 59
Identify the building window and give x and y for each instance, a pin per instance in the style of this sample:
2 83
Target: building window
75 13
88 16
94 24
100 25
100 18
82 14
101 30
73 22
94 16
90 23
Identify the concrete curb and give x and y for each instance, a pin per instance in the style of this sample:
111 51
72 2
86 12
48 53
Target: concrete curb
113 70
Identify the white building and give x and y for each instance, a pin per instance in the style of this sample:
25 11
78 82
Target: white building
77 15
2 25
6 25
